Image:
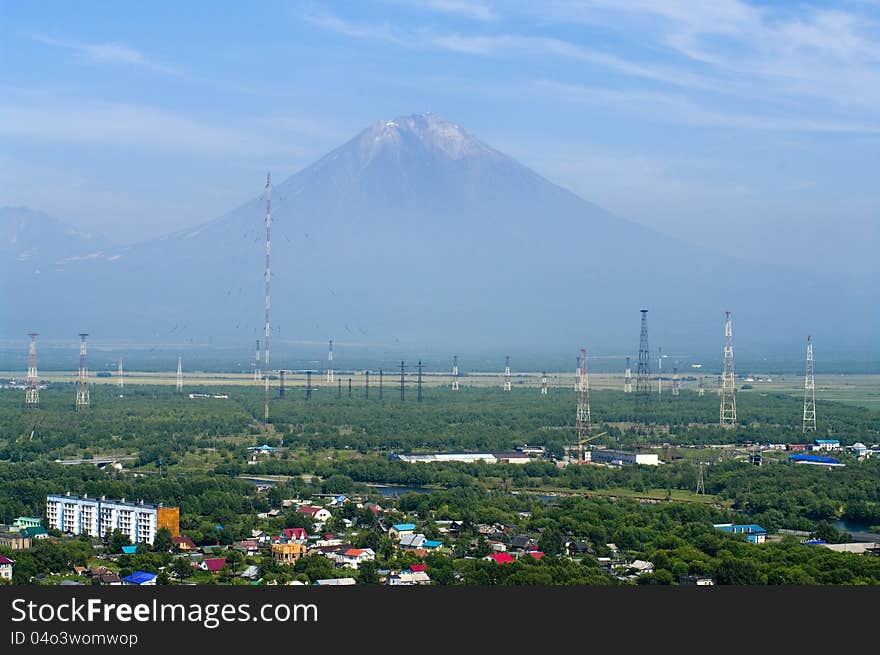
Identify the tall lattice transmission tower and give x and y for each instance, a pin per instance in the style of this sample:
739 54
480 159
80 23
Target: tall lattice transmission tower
701 390
809 391
584 420
402 378
676 382
268 303
507 373
258 374
330 363
308 385
419 383
121 374
179 373
544 383
659 371
32 388
82 383
701 482
366 384
281 373
728 382
455 372
643 376
627 378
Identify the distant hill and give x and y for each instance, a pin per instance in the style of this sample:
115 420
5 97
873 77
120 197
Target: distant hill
415 232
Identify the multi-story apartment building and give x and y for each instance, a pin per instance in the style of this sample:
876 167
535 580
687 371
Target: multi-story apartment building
97 516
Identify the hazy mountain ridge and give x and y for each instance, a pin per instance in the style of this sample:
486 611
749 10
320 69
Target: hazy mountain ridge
416 232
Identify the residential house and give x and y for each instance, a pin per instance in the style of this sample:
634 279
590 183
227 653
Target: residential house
184 544
295 534
288 553
500 558
578 548
432 544
339 500
6 567
353 557
412 541
251 573
141 579
407 578
247 546
696 581
109 579
536 554
400 530
34 532
320 514
213 564
335 582
521 542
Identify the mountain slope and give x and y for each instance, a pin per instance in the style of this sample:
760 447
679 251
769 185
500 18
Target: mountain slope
415 232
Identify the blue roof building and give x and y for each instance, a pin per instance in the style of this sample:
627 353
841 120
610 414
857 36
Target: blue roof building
816 460
432 543
140 578
754 532
404 527
129 550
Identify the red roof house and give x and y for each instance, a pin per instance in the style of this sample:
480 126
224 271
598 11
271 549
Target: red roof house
213 564
501 558
418 568
537 554
295 534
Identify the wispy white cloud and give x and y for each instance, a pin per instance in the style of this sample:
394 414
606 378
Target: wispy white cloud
108 53
475 10
508 46
680 109
127 125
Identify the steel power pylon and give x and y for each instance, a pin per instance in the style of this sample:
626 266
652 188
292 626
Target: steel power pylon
728 382
676 382
583 420
701 483
266 367
32 388
258 374
809 391
544 383
179 374
121 374
82 384
455 372
419 387
643 376
506 386
627 378
330 363
281 373
701 390
308 385
402 377
366 384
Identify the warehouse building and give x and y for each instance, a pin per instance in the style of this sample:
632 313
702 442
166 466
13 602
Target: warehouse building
623 457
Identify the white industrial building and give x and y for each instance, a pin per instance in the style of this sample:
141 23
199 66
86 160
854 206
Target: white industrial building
623 457
447 457
95 516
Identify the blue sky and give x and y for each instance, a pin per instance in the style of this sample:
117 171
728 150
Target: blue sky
744 126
